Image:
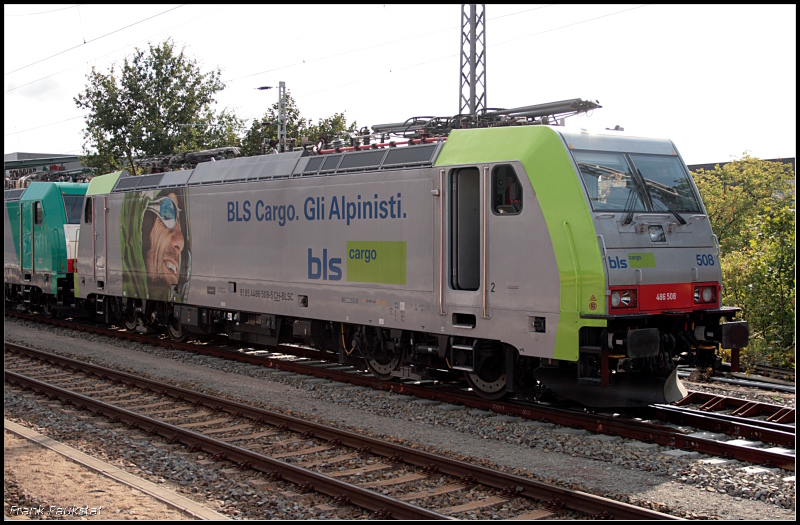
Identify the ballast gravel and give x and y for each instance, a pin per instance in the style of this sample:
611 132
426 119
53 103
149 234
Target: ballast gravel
687 485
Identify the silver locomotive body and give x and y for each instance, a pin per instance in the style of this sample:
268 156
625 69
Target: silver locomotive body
505 255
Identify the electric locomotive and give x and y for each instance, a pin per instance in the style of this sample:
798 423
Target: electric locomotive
517 257
40 241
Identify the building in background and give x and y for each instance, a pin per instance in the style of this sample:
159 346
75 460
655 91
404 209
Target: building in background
23 168
712 165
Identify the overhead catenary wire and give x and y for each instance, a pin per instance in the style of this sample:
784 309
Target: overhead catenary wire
373 46
45 12
361 49
45 125
456 54
94 40
115 51
270 70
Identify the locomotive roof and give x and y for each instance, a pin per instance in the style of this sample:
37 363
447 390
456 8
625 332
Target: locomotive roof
579 139
37 190
301 164
285 165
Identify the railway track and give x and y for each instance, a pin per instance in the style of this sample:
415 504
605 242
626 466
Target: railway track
303 453
775 372
716 425
773 381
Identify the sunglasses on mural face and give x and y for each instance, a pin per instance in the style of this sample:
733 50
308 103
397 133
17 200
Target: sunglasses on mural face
166 210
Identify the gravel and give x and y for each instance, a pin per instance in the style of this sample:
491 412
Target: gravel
685 484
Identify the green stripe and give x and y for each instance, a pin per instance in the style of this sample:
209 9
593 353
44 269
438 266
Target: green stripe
562 199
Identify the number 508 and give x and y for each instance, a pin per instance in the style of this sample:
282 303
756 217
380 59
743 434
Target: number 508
705 260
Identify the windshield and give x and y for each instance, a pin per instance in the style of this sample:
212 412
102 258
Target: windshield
659 182
73 205
667 183
609 181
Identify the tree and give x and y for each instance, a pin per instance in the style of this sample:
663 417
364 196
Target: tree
159 104
751 207
331 126
267 126
213 130
296 127
740 191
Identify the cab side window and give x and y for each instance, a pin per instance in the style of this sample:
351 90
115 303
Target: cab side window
38 213
506 191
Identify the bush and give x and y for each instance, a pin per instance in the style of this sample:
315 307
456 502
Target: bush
751 207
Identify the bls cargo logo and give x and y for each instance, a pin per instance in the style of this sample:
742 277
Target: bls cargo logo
381 262
327 270
616 262
634 260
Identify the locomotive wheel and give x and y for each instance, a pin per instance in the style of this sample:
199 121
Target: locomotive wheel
49 311
129 320
490 381
379 360
175 329
383 367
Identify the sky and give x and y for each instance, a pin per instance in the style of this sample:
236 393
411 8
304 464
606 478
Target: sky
719 81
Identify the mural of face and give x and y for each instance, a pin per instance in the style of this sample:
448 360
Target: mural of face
162 256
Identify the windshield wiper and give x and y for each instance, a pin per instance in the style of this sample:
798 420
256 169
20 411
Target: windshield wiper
630 205
667 208
649 186
601 170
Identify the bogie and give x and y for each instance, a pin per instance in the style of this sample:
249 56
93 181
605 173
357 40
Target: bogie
489 378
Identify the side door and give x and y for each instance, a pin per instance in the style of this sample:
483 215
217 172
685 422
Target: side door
26 218
462 290
465 228
99 234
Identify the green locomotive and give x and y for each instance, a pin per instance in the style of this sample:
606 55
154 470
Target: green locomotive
40 244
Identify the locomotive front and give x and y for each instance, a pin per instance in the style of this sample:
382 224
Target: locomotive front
663 276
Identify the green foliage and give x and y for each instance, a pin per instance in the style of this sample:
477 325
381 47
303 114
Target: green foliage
296 127
331 126
267 127
158 104
751 207
213 130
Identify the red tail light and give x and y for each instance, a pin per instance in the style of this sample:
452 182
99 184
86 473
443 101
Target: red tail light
705 294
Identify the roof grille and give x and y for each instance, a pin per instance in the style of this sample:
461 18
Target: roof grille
286 165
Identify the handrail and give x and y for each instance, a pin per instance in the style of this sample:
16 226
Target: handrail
441 242
484 206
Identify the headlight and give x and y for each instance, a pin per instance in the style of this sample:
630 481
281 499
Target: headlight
705 294
623 298
657 234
